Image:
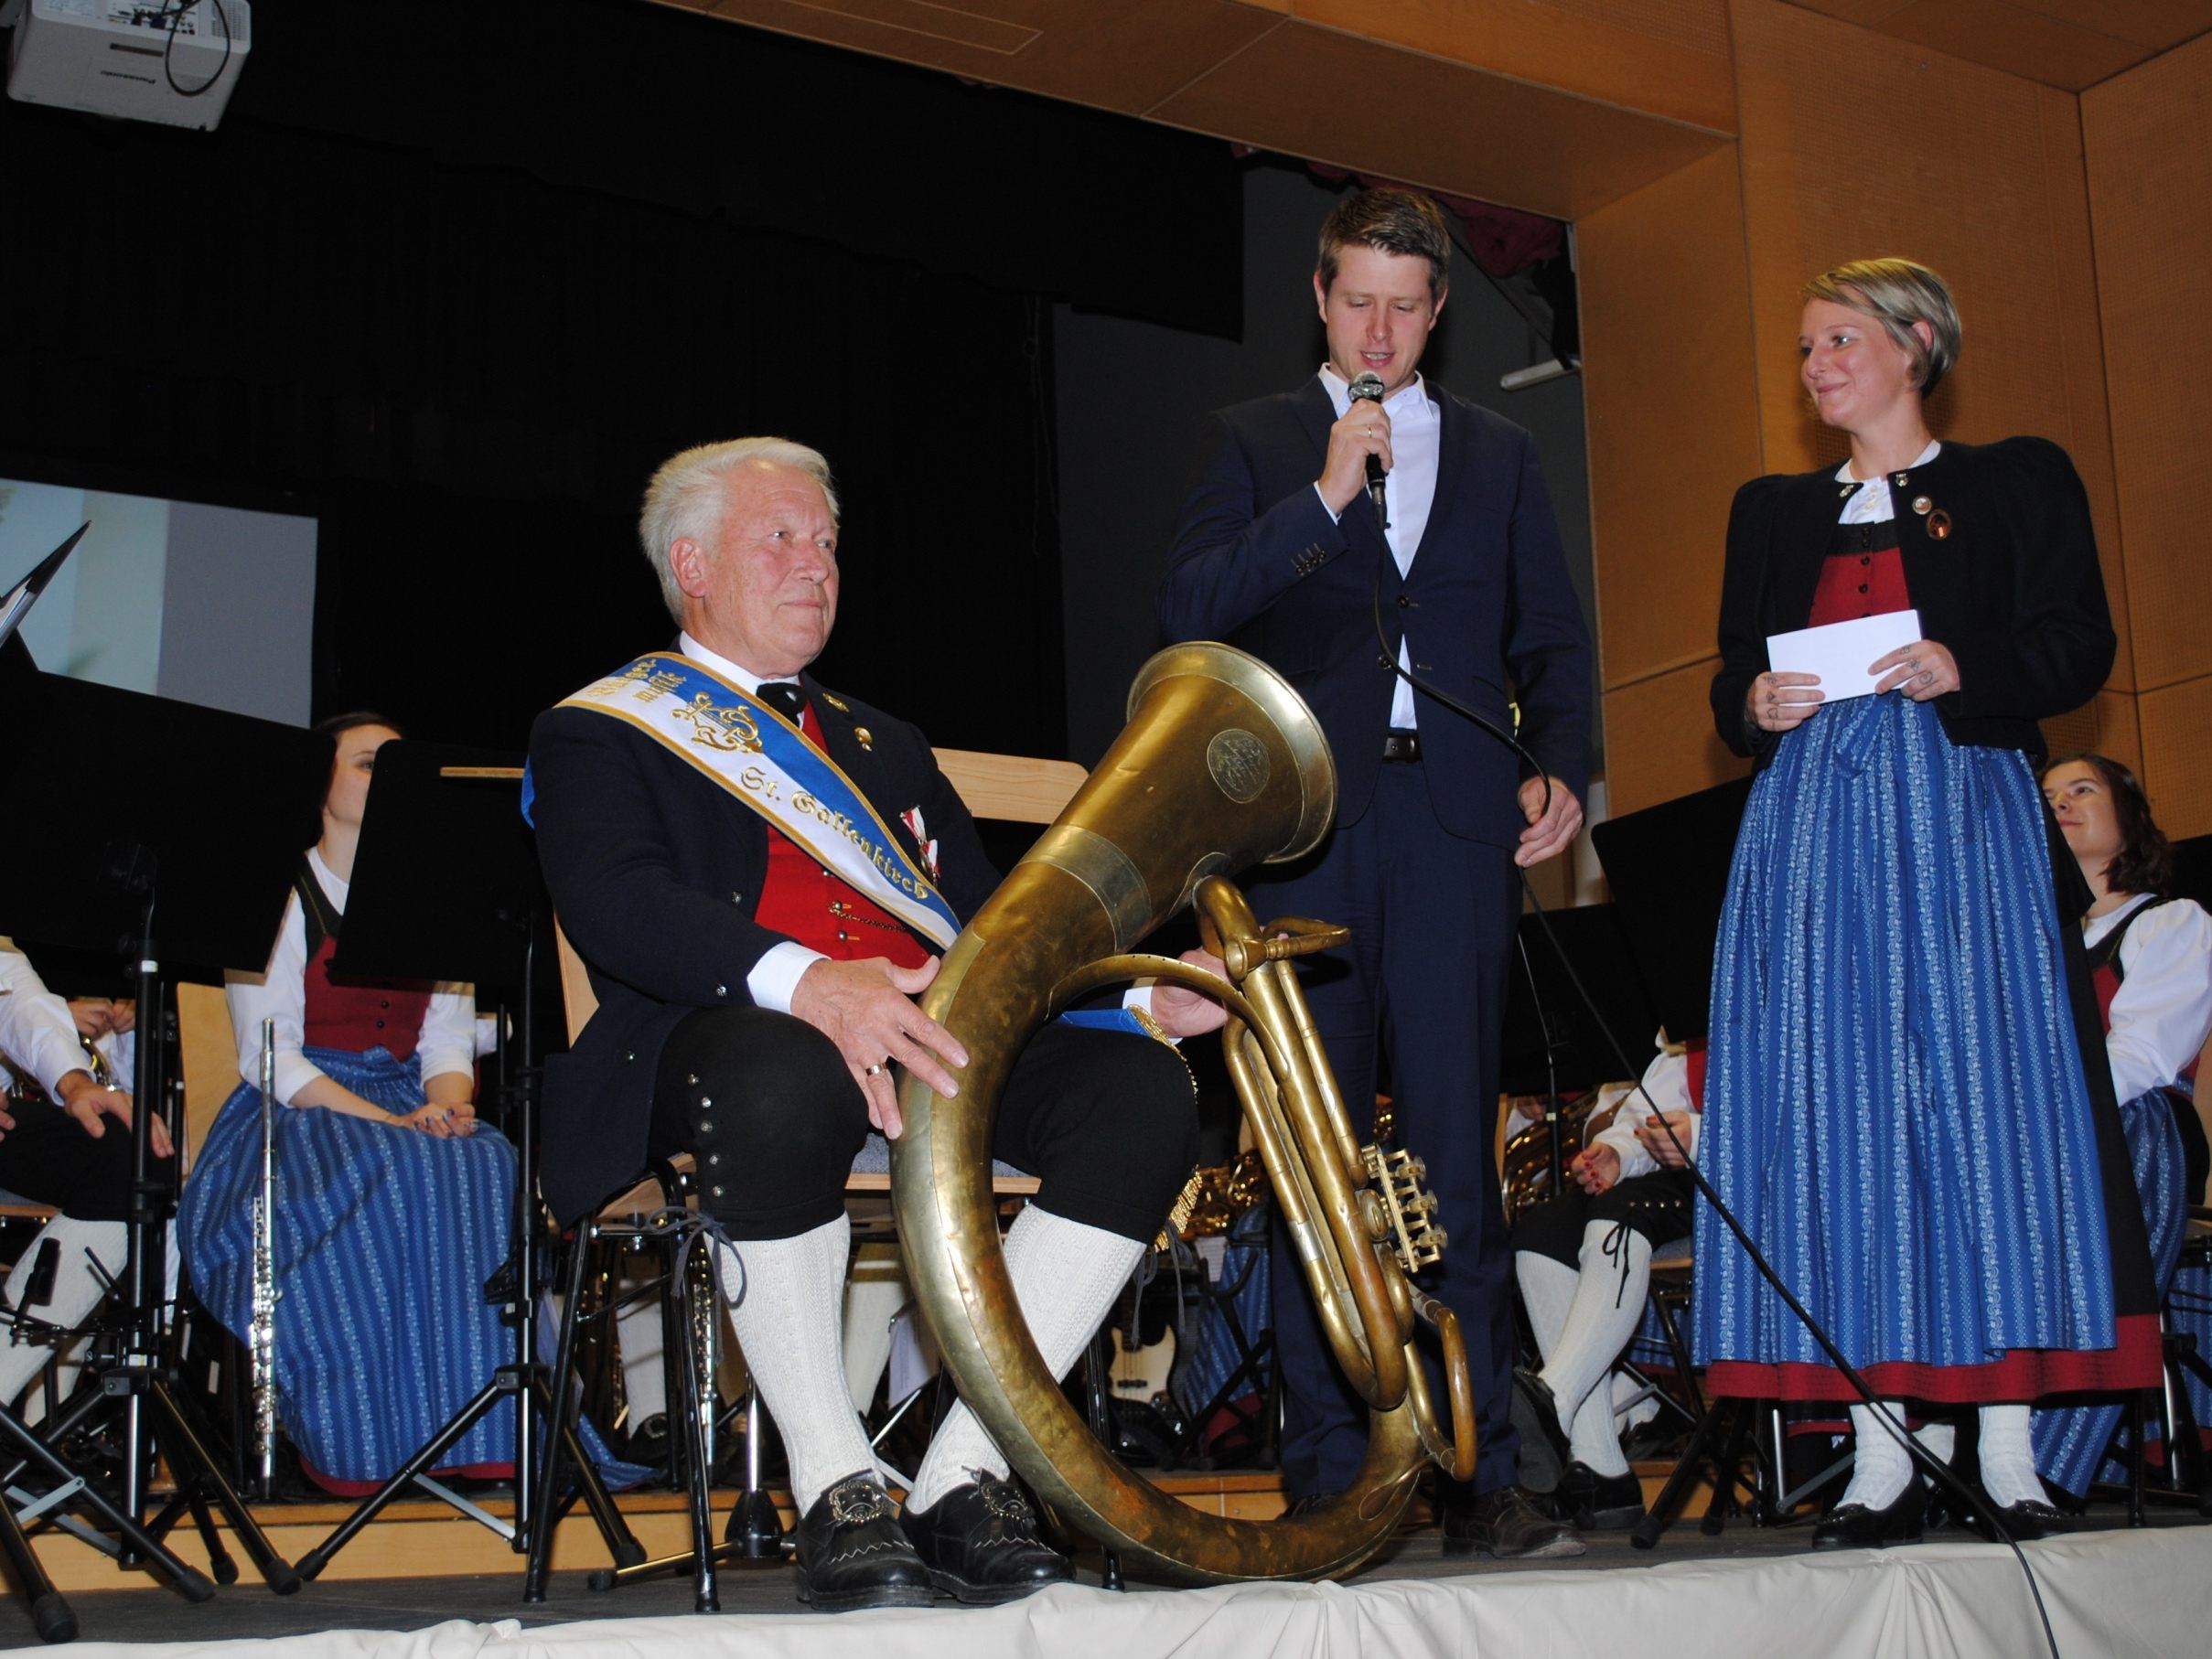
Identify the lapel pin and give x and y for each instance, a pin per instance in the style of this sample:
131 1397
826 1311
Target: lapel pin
1921 504
860 735
836 704
1938 524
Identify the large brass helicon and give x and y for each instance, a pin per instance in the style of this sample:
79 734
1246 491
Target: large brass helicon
1221 766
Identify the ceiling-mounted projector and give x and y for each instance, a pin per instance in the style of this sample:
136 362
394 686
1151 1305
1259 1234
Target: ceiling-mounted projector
168 60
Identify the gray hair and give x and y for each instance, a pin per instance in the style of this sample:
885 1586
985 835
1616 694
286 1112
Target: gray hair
684 501
1897 294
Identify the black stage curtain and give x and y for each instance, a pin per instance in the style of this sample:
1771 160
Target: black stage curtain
456 287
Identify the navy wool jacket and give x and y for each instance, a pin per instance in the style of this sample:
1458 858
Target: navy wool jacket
1493 618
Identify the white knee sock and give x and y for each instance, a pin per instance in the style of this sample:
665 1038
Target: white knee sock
787 1319
1065 1276
1608 1303
1880 1466
78 1289
1547 1290
875 1294
2008 1460
642 1336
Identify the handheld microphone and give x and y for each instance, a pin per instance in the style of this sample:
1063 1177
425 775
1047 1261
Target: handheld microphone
1368 388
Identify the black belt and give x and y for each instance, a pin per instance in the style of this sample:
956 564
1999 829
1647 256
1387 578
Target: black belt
1402 746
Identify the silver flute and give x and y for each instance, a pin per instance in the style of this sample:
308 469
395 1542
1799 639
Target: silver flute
264 1332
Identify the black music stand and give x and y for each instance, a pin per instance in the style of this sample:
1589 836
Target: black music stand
1667 866
1553 1041
201 828
446 886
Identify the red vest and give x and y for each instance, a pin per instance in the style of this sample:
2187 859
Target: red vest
823 912
357 1015
1860 584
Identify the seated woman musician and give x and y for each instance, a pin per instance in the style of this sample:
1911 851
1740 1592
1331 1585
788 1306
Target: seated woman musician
1583 1262
394 1204
2152 955
65 1141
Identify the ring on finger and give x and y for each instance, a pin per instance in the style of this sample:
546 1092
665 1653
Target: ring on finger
877 1070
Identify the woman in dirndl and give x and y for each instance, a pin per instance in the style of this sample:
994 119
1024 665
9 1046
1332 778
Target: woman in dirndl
394 1204
2150 952
1897 1104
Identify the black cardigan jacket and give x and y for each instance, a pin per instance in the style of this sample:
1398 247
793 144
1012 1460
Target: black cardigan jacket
2014 590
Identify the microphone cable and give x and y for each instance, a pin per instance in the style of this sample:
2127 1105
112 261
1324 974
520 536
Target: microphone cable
1939 1470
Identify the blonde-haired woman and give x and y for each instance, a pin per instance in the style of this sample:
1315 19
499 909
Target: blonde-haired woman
1897 1105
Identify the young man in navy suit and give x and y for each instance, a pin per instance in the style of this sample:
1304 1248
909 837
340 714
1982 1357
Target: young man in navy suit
759 874
1282 551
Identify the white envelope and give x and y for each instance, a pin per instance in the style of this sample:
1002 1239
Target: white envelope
1840 652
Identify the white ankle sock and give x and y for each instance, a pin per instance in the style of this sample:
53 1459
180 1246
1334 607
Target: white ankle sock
1065 1276
76 1291
1880 1466
2008 1460
1609 1303
787 1319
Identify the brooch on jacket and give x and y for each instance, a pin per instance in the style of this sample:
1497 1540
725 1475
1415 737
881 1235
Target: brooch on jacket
912 818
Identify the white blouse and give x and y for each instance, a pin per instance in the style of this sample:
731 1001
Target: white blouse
447 1043
2162 1011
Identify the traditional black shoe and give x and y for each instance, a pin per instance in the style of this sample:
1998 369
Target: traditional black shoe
1507 1523
1855 1527
853 1553
1598 1503
2030 1519
1539 1395
979 1545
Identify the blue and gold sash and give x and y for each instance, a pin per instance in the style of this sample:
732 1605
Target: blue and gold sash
767 762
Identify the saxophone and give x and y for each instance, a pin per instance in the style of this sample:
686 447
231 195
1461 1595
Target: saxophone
262 1333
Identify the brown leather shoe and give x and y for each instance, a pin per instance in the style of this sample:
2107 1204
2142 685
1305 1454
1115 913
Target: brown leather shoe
1506 1523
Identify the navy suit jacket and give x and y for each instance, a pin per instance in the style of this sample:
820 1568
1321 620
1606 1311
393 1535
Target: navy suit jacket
656 873
1257 562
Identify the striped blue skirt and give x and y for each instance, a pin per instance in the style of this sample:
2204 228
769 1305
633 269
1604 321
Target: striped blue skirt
1894 1106
384 1239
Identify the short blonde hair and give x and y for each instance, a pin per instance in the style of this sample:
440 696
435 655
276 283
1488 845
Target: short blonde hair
685 500
1897 293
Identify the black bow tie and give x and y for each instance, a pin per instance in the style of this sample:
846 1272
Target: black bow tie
786 698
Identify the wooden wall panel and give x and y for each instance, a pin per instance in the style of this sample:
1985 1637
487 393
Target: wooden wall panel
1667 352
2176 738
1375 107
2148 137
2110 723
2066 44
1660 741
1853 145
1666 57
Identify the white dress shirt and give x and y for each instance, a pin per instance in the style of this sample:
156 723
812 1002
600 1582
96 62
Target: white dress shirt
2162 1011
1667 1081
448 1039
1416 433
37 1037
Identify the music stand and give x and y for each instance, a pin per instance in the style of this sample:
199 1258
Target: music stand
1668 867
201 827
446 886
1553 1044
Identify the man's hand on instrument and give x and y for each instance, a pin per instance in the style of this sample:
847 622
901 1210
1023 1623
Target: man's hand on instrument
95 1017
1181 1011
867 1009
1660 1144
1551 828
1365 430
86 1101
123 1014
1594 1168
